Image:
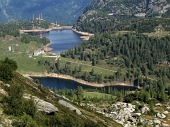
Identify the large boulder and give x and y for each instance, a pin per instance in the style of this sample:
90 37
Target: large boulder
45 106
158 104
161 115
145 109
72 108
42 105
166 112
156 121
165 125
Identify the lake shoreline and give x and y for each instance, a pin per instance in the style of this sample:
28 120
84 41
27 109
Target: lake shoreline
83 35
67 77
47 47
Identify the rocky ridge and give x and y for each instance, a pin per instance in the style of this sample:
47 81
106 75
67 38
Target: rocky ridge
105 10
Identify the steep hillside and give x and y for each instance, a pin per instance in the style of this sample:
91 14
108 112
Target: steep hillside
26 103
63 11
106 13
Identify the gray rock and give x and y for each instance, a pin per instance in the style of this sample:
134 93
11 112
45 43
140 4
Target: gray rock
157 121
162 116
72 108
150 122
145 109
8 122
42 105
136 114
158 104
166 112
46 106
165 125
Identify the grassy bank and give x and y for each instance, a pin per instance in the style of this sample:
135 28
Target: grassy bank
22 54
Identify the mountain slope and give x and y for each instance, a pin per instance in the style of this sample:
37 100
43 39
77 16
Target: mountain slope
49 109
63 11
100 12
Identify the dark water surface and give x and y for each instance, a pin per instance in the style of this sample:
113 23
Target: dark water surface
63 40
59 83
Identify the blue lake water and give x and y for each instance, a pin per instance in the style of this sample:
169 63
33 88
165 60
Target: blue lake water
63 40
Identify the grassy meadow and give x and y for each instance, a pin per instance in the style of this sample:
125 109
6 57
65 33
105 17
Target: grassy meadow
96 95
22 54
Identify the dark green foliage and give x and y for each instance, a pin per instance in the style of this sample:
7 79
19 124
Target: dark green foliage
151 107
28 38
30 107
9 29
129 98
14 102
11 63
25 121
79 94
6 69
37 81
16 105
5 72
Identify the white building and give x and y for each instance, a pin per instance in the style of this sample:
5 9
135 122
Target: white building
38 52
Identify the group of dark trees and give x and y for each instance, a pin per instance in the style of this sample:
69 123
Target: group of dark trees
26 38
78 73
9 29
12 28
7 67
141 25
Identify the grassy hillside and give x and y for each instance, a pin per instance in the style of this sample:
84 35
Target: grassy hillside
23 54
63 117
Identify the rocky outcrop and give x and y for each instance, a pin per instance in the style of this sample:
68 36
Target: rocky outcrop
124 113
42 105
123 8
127 115
145 109
161 115
71 107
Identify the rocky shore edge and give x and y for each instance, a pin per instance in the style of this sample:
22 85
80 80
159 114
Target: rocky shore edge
47 48
54 75
84 35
